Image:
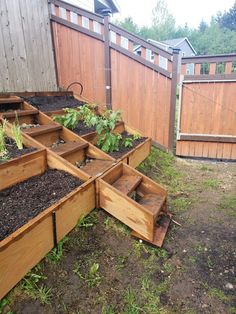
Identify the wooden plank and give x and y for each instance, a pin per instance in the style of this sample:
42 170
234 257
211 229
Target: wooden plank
125 209
140 153
127 183
42 129
96 167
19 113
69 147
22 168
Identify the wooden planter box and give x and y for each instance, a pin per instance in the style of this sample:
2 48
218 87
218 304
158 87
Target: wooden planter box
24 248
135 200
135 156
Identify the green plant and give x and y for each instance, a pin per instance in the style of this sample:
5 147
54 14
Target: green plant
30 285
87 221
16 131
56 254
72 116
136 136
3 150
107 140
131 306
92 278
128 142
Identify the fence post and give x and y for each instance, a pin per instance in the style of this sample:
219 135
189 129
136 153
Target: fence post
107 62
174 82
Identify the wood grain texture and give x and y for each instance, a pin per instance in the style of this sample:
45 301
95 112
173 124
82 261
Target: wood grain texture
142 95
208 108
80 58
26 54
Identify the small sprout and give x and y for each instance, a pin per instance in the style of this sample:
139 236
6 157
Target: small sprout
3 149
16 131
128 142
136 136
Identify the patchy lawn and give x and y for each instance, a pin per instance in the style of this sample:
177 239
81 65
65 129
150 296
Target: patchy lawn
99 268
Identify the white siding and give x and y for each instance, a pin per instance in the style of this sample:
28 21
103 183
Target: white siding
84 4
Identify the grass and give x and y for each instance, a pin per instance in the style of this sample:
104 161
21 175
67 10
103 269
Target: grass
92 277
130 302
206 168
218 294
56 254
3 150
114 224
30 285
16 132
211 183
160 166
228 204
88 221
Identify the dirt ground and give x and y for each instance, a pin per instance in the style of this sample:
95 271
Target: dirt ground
100 269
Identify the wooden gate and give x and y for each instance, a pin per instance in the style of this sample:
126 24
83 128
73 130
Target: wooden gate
207 110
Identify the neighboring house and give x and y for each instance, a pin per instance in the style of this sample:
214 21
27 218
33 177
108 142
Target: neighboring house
96 6
186 50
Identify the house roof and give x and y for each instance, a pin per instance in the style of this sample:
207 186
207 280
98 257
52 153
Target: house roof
177 41
111 4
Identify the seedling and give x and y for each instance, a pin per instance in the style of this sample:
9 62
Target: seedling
92 278
30 286
136 136
3 150
128 142
56 254
16 131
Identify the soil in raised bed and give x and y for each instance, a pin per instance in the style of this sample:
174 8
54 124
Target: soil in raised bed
24 201
122 149
13 151
9 107
53 103
82 129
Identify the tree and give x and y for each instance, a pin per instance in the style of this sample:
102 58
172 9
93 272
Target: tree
228 19
128 24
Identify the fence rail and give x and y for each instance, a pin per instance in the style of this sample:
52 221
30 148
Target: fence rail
102 57
207 111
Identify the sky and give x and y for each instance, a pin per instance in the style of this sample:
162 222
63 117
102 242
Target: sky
184 11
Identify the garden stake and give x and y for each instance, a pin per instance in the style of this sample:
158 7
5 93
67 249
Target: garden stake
54 224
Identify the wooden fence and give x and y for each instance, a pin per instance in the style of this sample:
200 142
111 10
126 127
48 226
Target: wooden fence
207 111
91 50
26 54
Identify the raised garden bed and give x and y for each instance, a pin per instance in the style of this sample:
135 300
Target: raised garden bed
53 104
50 202
136 200
131 155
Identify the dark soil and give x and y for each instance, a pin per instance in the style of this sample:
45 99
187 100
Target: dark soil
9 107
14 152
25 200
82 129
122 149
53 103
191 274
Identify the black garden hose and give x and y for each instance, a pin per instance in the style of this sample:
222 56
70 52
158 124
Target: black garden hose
74 83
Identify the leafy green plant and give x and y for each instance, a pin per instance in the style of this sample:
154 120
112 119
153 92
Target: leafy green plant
56 254
136 136
92 278
87 221
3 149
30 285
72 117
107 140
128 142
16 131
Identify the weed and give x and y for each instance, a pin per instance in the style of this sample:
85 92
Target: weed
211 183
92 277
16 131
219 294
181 204
56 254
3 150
108 309
128 142
3 304
131 306
206 168
192 259
111 223
30 285
228 204
87 221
